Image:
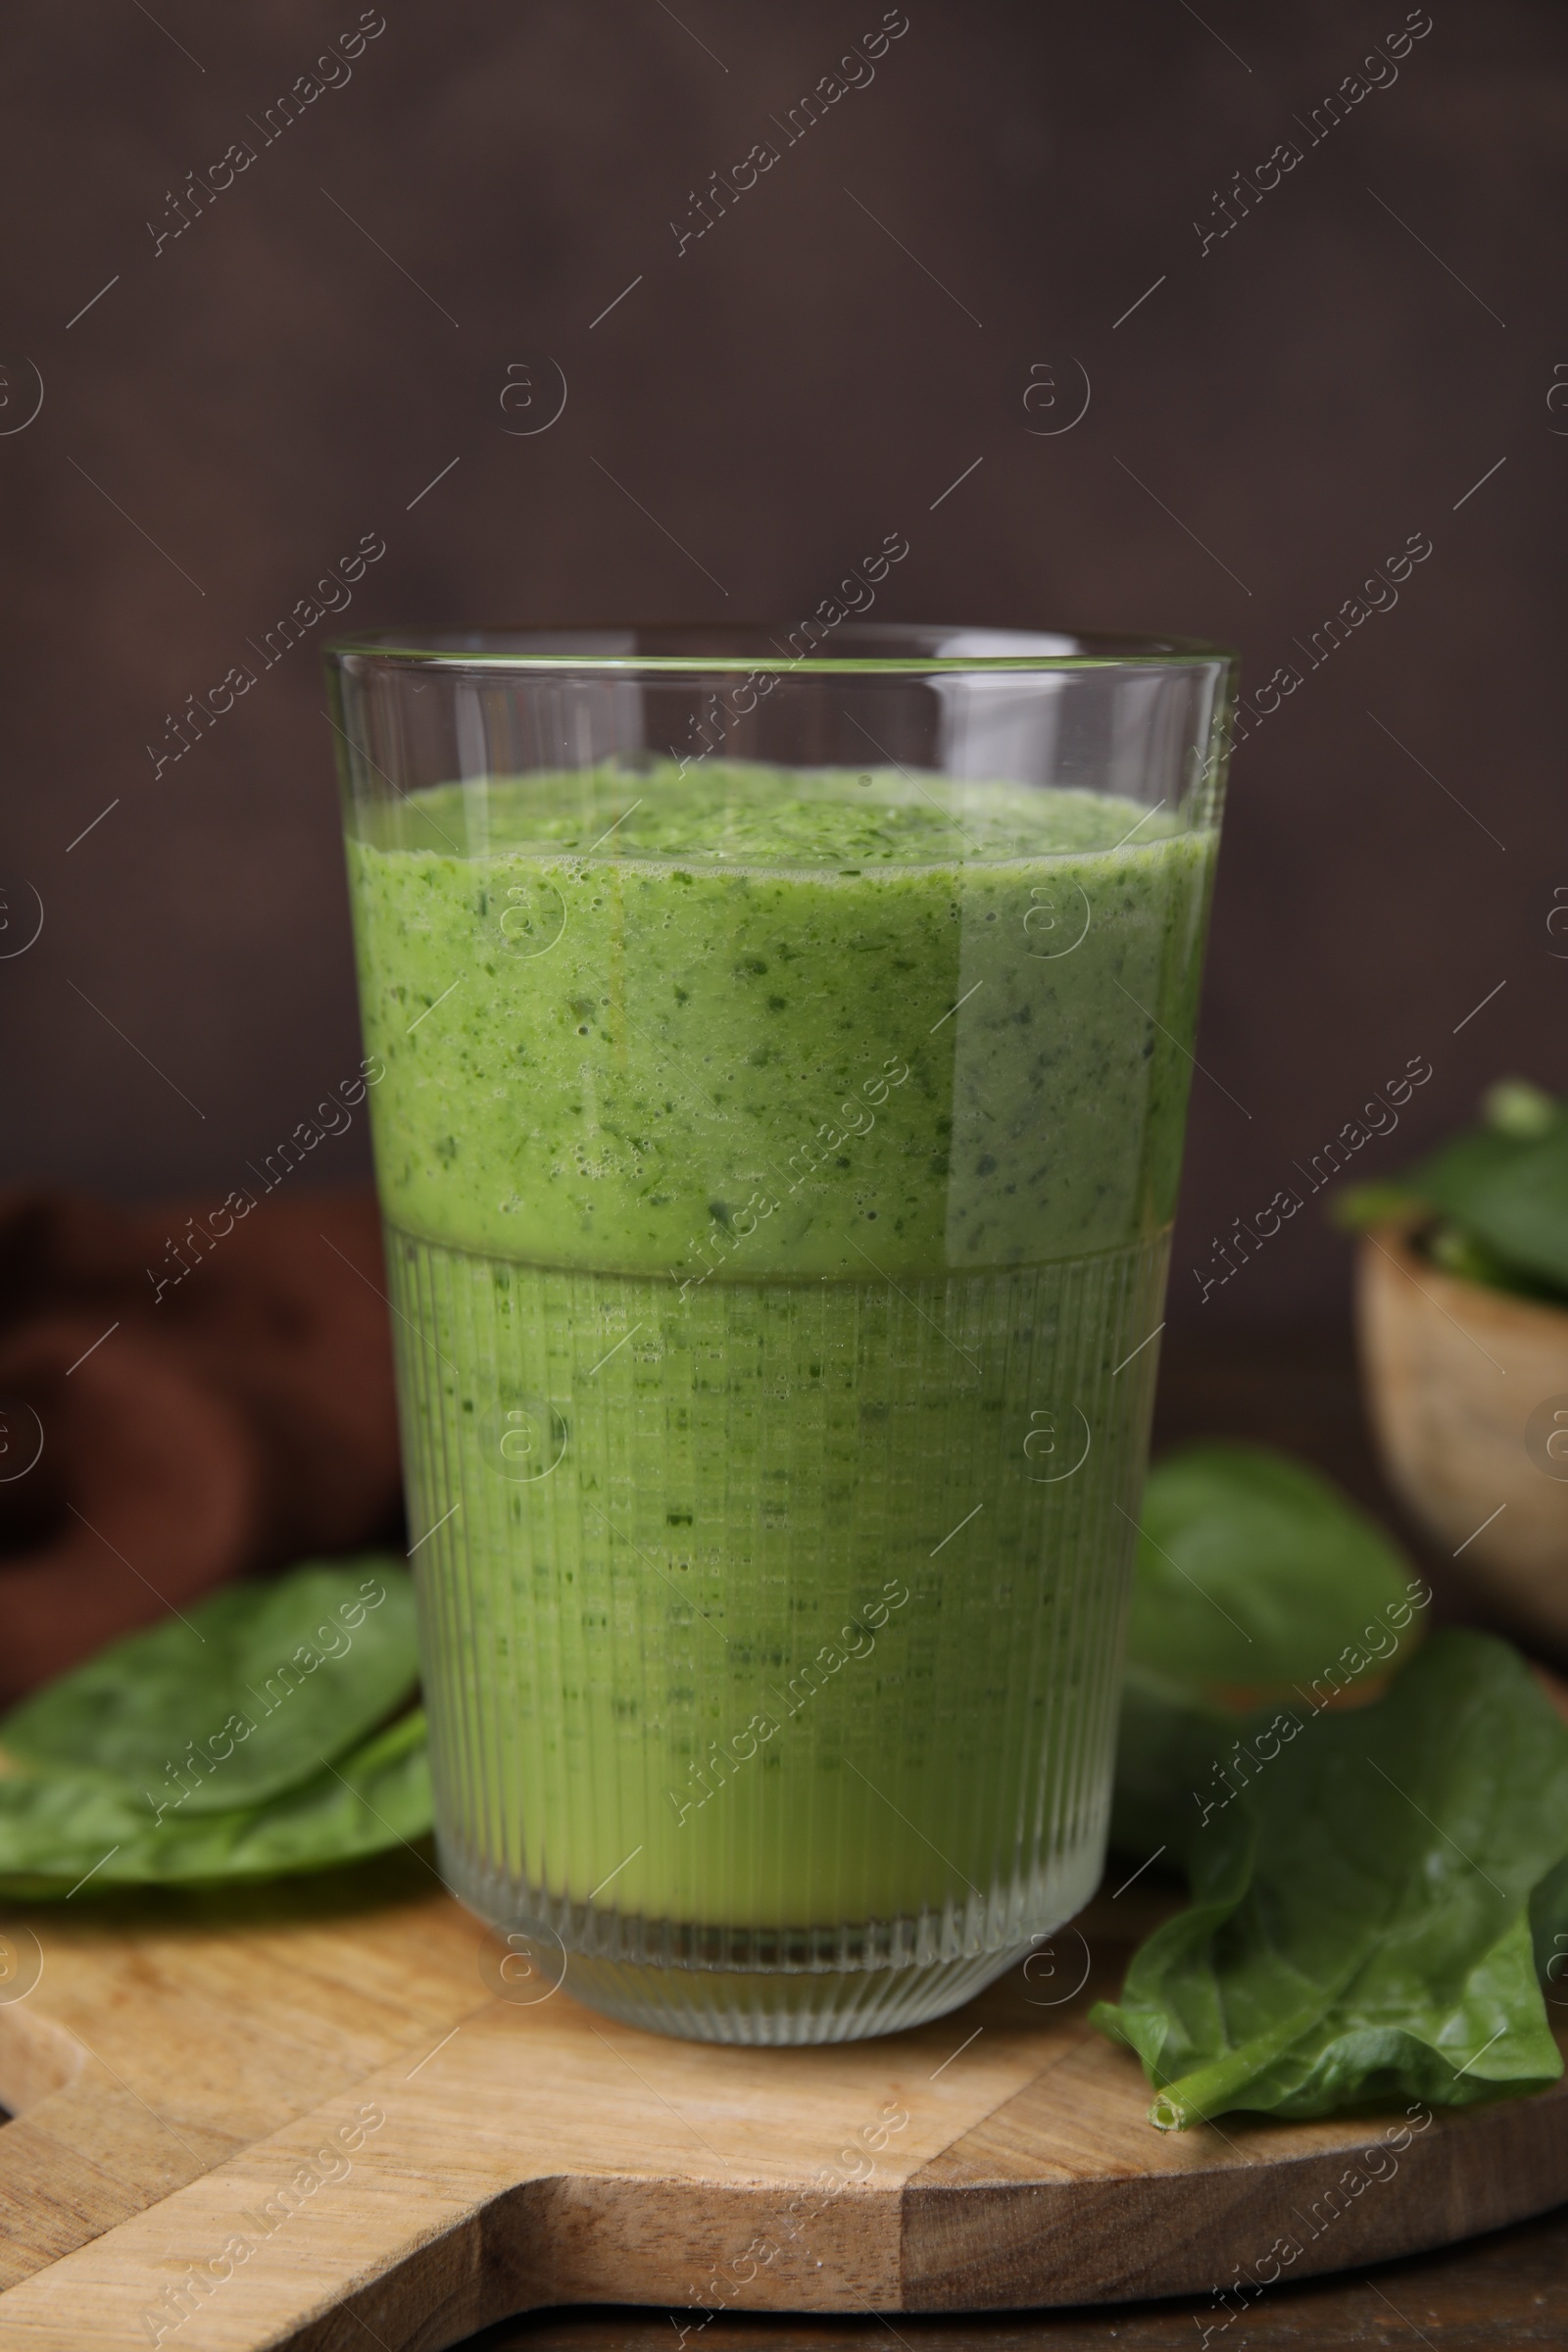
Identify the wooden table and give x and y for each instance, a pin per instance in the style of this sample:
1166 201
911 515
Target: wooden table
1506 2290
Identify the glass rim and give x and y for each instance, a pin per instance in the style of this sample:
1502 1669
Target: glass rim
1092 650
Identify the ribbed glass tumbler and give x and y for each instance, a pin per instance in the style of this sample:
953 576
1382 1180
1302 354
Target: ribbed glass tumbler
780 1064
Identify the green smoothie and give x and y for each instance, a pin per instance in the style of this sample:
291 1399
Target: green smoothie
778 1167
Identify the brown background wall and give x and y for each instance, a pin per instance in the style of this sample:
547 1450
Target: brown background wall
336 329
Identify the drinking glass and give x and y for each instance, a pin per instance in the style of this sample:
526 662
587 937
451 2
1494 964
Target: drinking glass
780 1052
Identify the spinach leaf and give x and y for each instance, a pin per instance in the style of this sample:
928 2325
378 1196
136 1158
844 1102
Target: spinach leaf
1359 1926
1462 1166
1516 1106
1167 1748
1549 1930
55 1830
1513 1201
1500 1191
1254 1574
263 1684
1357 1208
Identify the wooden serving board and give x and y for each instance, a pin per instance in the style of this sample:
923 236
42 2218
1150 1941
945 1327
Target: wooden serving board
303 2119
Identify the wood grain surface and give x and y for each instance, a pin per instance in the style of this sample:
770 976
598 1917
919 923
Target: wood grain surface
1461 1382
1506 2292
314 2125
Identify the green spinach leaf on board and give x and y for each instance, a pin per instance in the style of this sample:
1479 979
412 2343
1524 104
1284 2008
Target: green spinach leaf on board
57 1832
1360 1925
253 1693
1254 1575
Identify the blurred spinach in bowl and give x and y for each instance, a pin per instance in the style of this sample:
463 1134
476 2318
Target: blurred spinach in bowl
1490 1205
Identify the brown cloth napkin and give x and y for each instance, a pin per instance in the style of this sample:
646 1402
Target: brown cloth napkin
155 1441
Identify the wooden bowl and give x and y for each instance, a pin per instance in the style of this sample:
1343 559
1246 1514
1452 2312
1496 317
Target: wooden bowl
1467 1391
